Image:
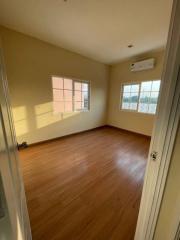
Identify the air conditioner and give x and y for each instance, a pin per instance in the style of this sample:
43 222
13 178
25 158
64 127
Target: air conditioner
143 65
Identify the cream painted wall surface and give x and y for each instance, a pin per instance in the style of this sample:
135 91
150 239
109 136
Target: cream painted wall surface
30 63
170 207
119 74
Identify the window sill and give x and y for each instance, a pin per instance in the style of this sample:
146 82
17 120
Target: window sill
134 111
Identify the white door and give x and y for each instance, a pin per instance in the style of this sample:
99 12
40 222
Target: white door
164 133
14 221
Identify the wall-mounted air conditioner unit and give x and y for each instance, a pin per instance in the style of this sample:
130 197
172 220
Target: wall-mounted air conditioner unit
143 65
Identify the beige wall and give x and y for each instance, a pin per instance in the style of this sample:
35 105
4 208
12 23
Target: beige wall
30 64
120 73
170 207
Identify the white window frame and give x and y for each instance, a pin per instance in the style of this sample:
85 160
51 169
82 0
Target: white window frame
73 92
121 96
135 83
81 81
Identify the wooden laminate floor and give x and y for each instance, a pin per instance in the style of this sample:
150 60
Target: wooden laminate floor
85 187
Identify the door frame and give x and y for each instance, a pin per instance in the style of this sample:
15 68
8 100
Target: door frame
164 133
9 164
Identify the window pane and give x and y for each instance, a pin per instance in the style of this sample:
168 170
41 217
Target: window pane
133 106
78 86
85 105
152 108
57 82
78 96
135 88
153 102
134 97
144 102
146 86
67 84
78 106
125 105
68 107
58 107
154 97
126 100
85 100
145 97
127 88
84 96
85 87
67 95
133 101
126 97
143 107
156 85
57 95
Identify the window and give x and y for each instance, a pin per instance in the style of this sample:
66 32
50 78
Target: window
141 97
130 96
149 96
81 96
70 95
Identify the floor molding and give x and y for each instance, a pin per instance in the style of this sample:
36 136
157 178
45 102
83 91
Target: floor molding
65 136
88 130
128 131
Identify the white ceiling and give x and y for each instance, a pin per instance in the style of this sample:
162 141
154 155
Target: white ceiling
98 29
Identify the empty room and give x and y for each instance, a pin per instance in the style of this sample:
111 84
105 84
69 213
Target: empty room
81 100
